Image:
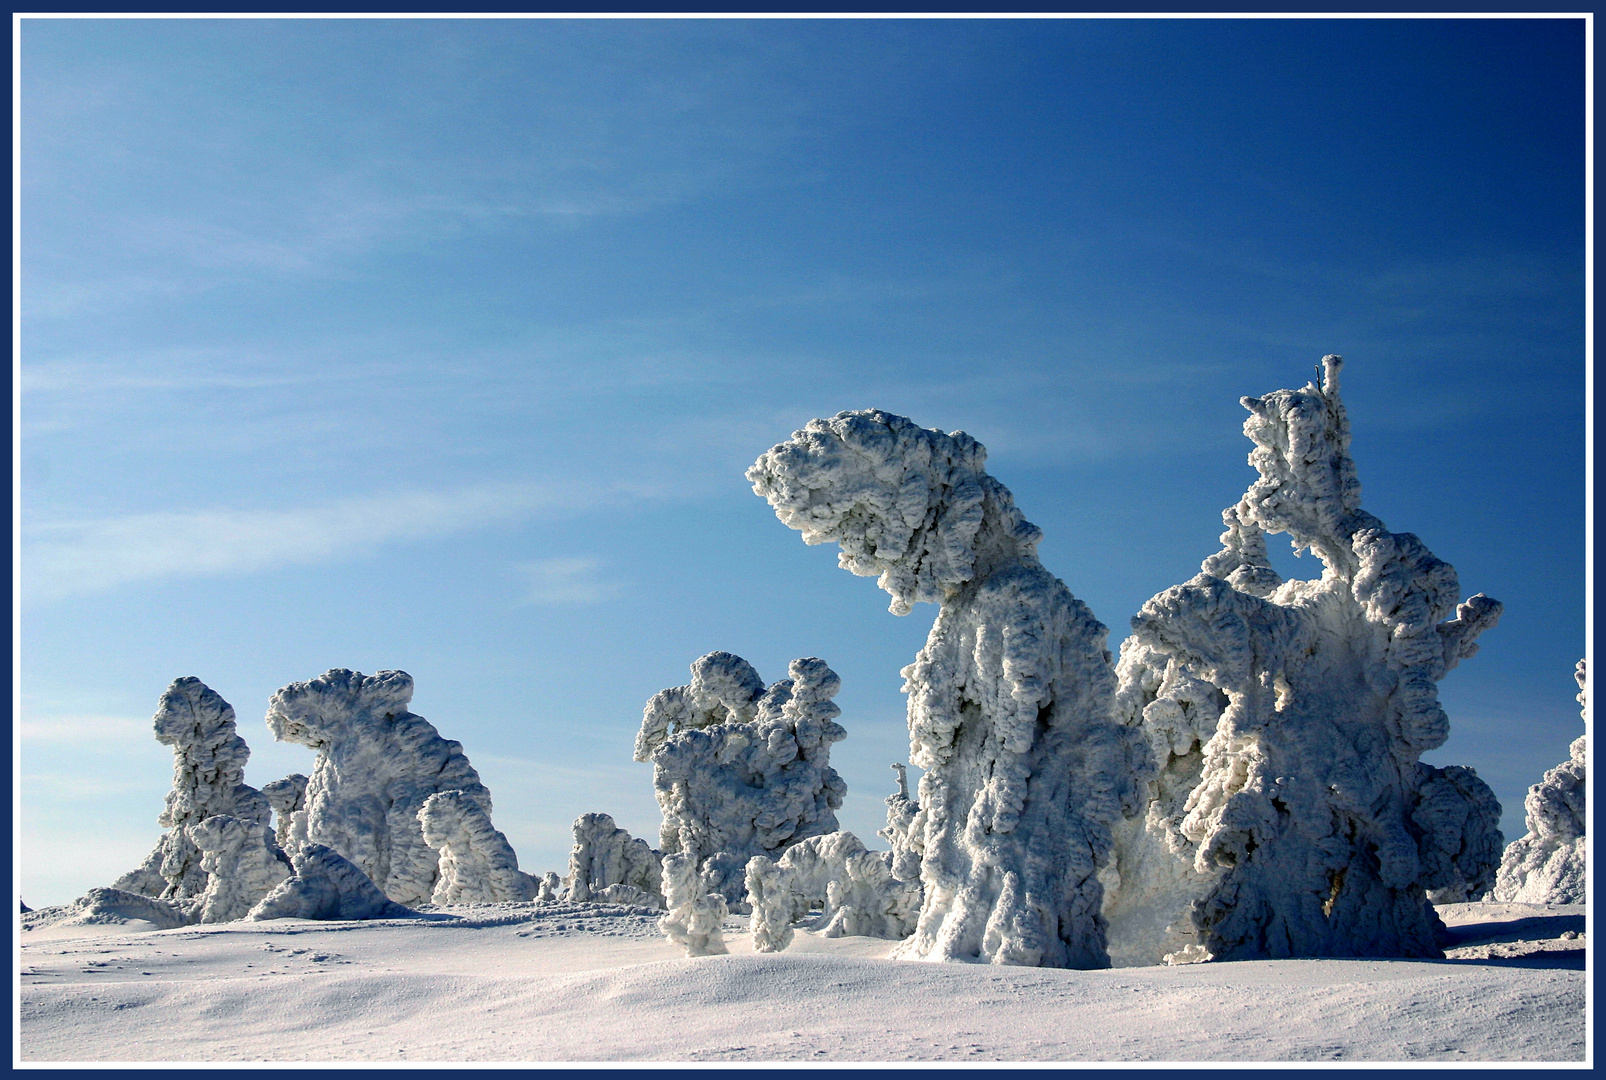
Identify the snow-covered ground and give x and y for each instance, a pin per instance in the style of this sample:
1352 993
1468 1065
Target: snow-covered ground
597 983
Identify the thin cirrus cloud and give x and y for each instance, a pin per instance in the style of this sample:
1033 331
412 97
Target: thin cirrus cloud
62 559
568 581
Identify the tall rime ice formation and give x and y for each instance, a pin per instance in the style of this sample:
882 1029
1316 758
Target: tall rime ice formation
1010 701
741 769
476 864
377 764
1290 815
208 778
1546 864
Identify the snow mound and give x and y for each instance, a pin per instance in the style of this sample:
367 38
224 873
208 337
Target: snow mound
606 857
477 865
854 889
741 769
1547 864
1290 815
694 917
326 886
377 764
1010 701
242 865
110 908
208 778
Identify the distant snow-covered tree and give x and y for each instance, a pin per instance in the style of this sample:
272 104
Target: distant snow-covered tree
1547 864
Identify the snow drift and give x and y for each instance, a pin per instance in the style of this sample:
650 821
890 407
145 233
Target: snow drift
1546 865
1010 701
377 764
326 886
740 768
208 778
1290 814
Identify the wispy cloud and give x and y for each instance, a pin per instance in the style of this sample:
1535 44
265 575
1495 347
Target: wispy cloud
563 582
67 558
84 730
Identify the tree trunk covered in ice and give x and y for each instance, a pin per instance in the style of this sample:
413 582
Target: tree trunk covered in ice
476 863
1010 701
1546 864
1290 815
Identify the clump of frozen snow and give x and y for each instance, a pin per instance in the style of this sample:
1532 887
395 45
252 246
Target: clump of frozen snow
208 778
113 907
899 833
377 764
1290 815
605 855
326 886
1546 865
477 865
242 864
286 797
1010 701
694 917
854 889
549 889
741 769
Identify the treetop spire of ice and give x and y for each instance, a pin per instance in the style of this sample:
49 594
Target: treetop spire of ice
1291 815
1009 701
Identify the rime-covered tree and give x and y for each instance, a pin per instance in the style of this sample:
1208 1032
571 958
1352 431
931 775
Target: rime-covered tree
1547 864
1010 700
476 863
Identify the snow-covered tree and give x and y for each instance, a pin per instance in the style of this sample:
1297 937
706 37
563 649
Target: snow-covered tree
741 769
1546 865
854 888
694 918
605 856
287 796
326 886
242 863
208 778
377 763
1010 701
901 813
477 865
1290 815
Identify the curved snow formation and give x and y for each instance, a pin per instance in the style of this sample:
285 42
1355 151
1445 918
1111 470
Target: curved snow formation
854 888
604 856
208 778
1010 701
377 763
741 769
1290 815
1546 865
326 886
286 797
242 864
695 918
116 907
899 833
476 865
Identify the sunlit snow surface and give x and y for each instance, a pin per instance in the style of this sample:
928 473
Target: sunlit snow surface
581 982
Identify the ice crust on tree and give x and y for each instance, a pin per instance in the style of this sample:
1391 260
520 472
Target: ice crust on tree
208 778
854 888
694 918
1290 814
242 863
287 796
377 763
606 857
740 768
326 886
904 859
1546 865
477 865
1010 700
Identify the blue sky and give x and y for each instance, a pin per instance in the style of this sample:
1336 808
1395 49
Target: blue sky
442 345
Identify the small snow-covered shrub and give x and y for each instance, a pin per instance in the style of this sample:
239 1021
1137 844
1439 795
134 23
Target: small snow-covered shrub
695 918
549 890
377 763
741 769
242 864
605 855
1290 815
1546 865
1010 701
477 865
208 778
326 886
854 888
